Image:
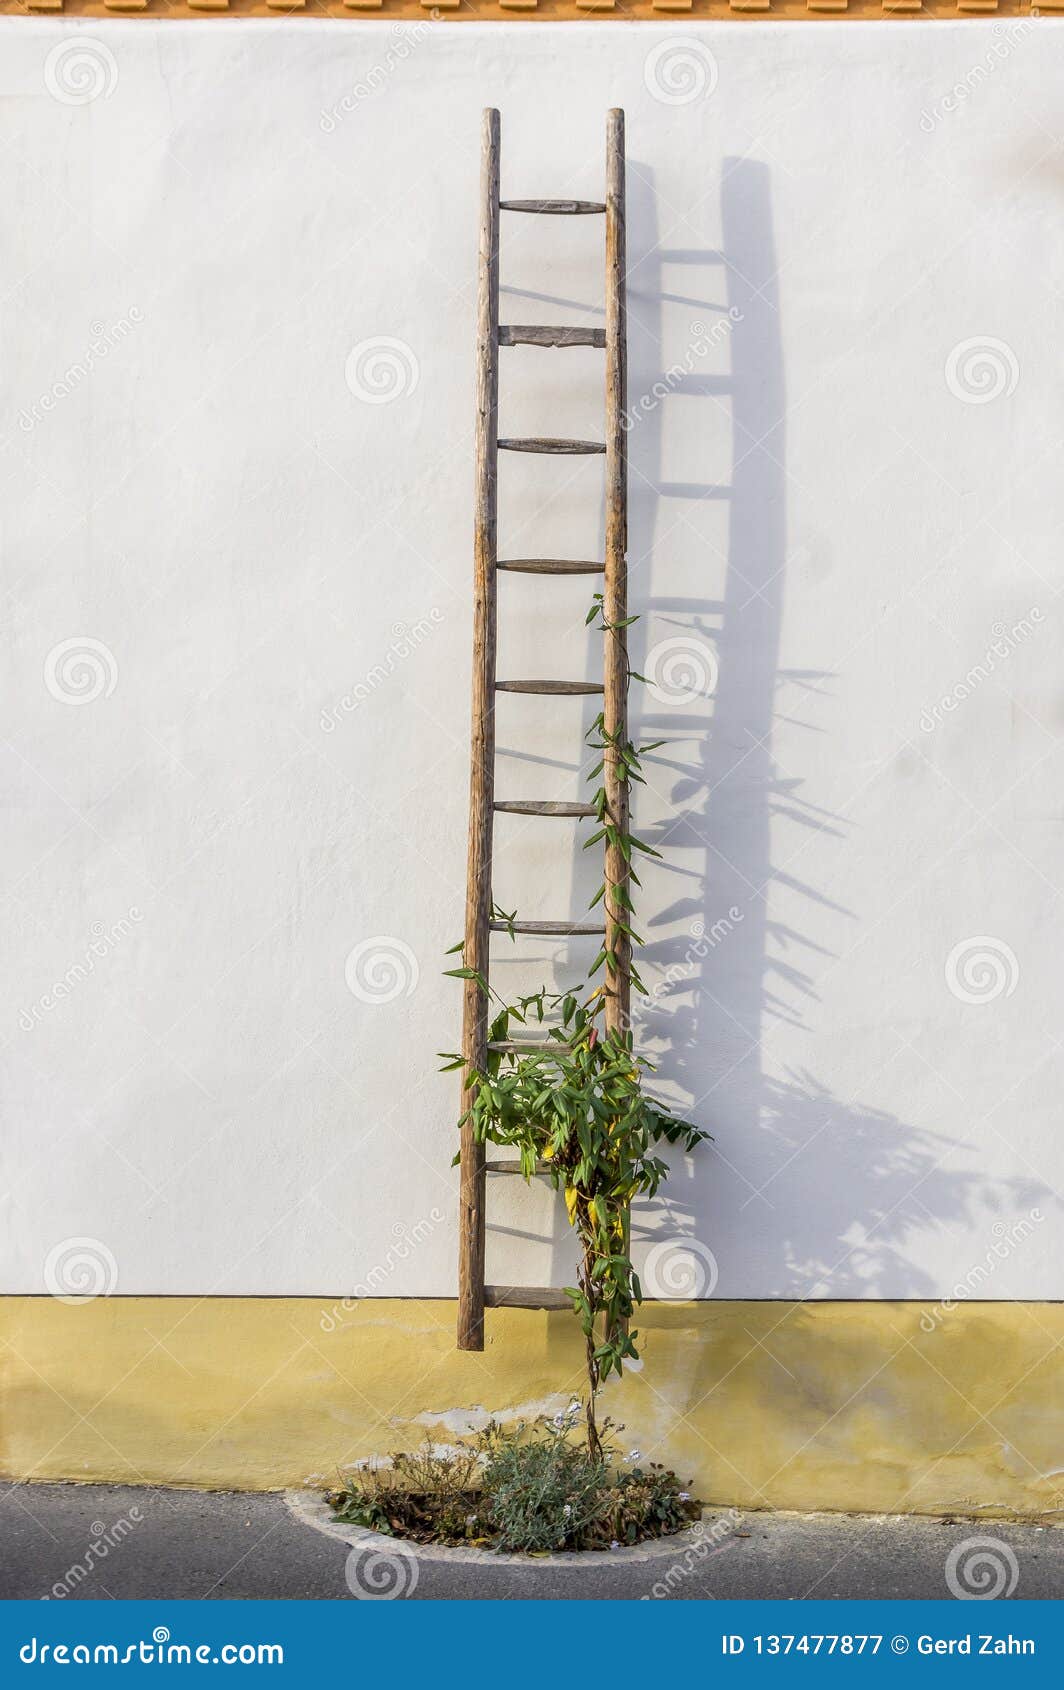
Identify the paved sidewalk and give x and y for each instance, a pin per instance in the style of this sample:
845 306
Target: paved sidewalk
194 1544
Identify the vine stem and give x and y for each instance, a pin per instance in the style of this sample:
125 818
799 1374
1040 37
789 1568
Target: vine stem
587 1285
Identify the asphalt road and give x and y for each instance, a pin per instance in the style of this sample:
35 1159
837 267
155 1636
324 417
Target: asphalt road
95 1542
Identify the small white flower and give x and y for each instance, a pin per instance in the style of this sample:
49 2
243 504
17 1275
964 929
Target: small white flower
685 1496
615 1544
567 1510
635 1454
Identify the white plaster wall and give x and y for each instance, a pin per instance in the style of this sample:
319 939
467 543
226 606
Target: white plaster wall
829 514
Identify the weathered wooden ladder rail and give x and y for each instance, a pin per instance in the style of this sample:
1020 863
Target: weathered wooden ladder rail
473 1295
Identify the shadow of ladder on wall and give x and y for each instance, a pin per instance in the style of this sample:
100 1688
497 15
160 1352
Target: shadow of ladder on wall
473 1294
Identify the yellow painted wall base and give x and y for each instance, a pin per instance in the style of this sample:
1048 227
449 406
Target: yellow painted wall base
893 1407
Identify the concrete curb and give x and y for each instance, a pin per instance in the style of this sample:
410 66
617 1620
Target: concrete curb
310 1509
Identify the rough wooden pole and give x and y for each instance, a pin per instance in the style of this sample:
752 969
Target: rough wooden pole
615 589
482 765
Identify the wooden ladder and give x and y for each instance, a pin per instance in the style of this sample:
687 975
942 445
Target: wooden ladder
473 1294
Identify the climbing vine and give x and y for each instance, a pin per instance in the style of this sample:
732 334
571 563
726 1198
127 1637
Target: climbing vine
574 1104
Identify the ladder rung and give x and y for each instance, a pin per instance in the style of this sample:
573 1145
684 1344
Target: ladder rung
555 208
514 1168
560 688
561 929
525 1045
550 566
556 448
532 807
524 1297
527 334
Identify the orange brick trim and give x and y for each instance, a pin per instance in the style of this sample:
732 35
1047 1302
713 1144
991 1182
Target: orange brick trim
526 11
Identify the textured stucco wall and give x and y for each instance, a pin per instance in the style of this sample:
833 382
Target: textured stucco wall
892 1407
844 508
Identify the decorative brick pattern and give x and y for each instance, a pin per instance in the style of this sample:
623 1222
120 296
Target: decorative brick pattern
553 11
